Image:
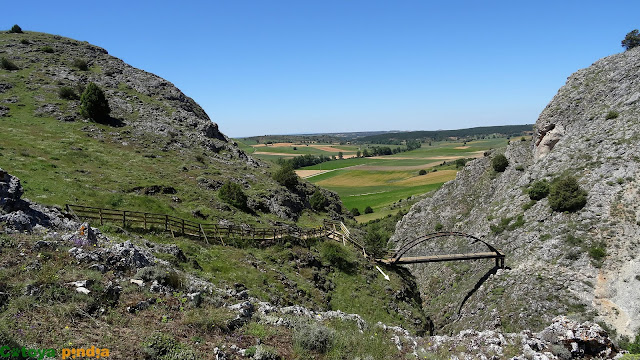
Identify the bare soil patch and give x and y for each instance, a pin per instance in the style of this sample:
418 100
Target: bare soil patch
308 173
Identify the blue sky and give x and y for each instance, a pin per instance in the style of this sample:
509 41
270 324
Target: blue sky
283 67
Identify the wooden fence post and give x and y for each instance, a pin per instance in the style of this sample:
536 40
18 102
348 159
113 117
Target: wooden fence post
145 220
101 223
166 222
124 218
182 226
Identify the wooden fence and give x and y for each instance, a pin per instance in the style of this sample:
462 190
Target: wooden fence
181 226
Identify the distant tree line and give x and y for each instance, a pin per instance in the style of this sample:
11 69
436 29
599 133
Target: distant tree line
301 161
298 162
386 150
477 132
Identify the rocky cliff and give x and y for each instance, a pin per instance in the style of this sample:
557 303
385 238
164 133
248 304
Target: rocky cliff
581 263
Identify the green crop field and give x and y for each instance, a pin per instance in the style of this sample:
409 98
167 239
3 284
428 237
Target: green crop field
381 181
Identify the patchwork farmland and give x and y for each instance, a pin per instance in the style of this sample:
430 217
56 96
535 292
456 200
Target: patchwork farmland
383 183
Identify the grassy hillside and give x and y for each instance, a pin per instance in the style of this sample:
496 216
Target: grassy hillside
161 153
157 138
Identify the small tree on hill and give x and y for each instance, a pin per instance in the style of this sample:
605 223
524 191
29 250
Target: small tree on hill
81 64
16 29
285 176
566 195
318 201
232 193
631 40
538 190
355 212
94 105
499 163
368 210
7 64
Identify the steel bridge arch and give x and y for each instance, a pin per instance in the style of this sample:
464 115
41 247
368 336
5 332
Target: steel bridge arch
419 240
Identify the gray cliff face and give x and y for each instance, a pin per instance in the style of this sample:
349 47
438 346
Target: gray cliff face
550 271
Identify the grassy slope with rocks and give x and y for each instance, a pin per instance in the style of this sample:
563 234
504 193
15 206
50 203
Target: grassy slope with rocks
194 296
583 263
156 137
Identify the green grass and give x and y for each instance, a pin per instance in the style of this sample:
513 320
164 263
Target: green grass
270 274
339 164
382 181
97 165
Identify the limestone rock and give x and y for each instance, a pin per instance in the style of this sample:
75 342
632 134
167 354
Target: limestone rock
10 191
589 130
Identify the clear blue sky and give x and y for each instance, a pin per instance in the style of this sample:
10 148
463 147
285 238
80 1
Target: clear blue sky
281 67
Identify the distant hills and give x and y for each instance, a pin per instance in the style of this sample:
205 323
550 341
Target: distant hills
396 136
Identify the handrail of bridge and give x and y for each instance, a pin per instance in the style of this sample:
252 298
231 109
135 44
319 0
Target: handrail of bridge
408 246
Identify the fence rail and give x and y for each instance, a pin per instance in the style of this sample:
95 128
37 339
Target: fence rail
200 230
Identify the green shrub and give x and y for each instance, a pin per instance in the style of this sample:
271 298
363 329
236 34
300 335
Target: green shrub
163 275
422 172
631 40
80 64
573 240
285 176
460 163
598 251
337 255
165 347
499 163
505 224
538 190
631 347
47 49
528 205
232 194
209 319
94 105
438 227
67 93
520 168
612 114
24 42
15 29
355 212
313 337
566 195
376 238
368 210
8 64
318 201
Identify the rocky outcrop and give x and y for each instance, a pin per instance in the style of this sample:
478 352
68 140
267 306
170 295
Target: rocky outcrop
589 130
563 339
22 215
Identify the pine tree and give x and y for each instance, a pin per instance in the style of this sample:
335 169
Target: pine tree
94 105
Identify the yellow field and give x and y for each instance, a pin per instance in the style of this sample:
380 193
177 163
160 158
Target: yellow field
381 178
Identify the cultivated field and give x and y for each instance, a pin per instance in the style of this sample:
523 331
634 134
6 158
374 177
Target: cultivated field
381 181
